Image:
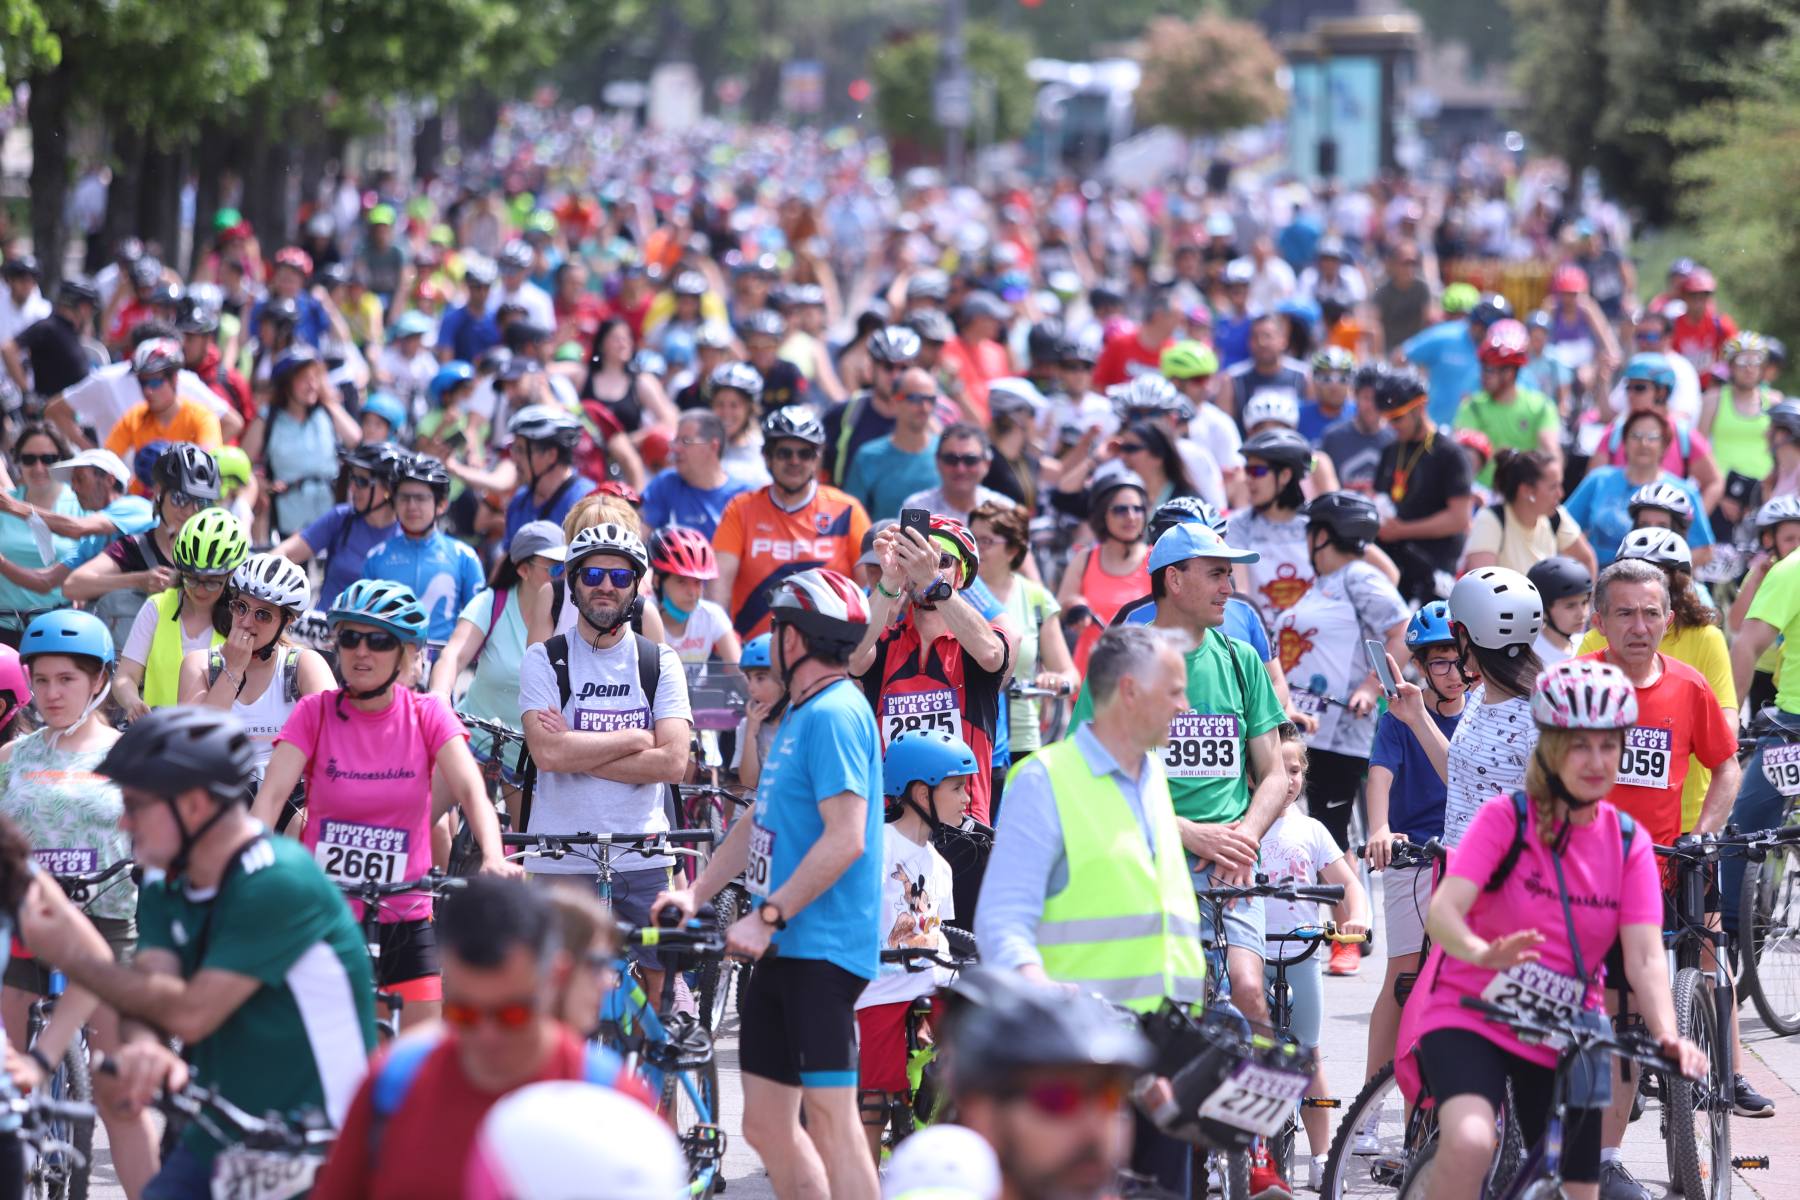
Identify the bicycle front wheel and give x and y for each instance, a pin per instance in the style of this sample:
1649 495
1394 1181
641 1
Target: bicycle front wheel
1368 1154
1699 1111
1769 938
62 1174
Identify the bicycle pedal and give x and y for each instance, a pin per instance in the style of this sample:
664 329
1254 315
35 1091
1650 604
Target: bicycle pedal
1750 1162
1320 1102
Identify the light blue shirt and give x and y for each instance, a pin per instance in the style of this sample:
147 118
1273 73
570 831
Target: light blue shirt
1241 622
1028 864
882 475
1447 353
1601 505
130 516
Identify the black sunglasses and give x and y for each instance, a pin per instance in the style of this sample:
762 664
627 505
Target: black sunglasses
794 453
1131 447
962 460
621 577
378 640
38 460
241 608
1126 510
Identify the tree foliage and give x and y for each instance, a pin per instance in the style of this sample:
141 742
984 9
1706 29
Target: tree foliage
1212 74
905 73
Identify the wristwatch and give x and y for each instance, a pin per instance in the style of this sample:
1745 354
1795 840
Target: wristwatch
939 591
764 910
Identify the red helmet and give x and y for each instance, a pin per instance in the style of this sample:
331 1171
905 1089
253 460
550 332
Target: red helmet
1474 439
1507 345
1569 278
957 532
678 550
1699 280
627 493
295 257
828 609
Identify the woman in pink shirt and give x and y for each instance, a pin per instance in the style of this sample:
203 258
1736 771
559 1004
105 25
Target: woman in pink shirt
1540 931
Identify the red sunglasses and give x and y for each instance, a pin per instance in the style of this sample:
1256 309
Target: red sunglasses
1064 1098
507 1016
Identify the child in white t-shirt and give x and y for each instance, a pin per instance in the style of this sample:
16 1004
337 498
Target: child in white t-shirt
756 732
1297 849
926 776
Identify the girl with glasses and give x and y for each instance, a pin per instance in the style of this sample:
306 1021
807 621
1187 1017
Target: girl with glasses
38 447
182 619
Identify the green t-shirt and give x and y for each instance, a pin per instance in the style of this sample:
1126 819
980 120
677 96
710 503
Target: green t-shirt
1778 603
303 1039
1215 687
1517 425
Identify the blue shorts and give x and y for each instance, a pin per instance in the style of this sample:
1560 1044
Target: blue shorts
1243 918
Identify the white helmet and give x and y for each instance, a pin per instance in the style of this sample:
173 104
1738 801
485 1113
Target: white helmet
1499 608
273 579
1149 393
945 1162
1778 511
559 1140
608 538
1280 405
1662 547
1581 693
1663 495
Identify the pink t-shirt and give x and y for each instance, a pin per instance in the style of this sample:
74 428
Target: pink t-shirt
1606 890
368 788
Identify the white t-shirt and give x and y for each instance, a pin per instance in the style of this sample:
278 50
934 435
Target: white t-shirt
1284 573
1294 850
705 626
1488 753
1214 429
538 308
915 900
14 318
143 628
1548 653
1091 411
112 391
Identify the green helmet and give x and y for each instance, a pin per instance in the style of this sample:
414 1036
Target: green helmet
1460 298
212 542
234 465
1189 360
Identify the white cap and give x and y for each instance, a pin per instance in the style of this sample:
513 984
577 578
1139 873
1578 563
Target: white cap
942 1162
106 460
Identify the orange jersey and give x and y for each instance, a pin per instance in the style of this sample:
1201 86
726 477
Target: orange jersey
771 544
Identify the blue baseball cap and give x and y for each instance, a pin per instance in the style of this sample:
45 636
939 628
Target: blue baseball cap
1190 539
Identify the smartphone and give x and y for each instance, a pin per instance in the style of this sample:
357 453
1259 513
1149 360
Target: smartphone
1378 659
916 519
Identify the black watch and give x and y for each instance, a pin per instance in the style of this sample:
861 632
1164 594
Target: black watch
939 591
764 909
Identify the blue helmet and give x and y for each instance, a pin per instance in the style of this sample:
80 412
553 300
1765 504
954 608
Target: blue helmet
67 631
452 373
385 605
1429 627
389 408
756 654
928 756
1652 367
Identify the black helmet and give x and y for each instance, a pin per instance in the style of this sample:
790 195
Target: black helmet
1044 344
895 345
1280 447
1032 1026
166 295
23 264
1370 375
1109 479
1351 517
78 289
1492 308
1786 417
1559 577
195 316
283 310
794 421
1394 390
334 275
383 460
185 467
169 750
1082 348
931 325
423 468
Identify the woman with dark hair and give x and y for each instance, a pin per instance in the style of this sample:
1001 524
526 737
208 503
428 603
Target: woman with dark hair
635 398
1113 569
1601 503
1528 523
38 448
298 441
1002 534
1148 451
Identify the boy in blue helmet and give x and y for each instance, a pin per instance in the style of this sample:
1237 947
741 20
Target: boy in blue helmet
925 776
757 731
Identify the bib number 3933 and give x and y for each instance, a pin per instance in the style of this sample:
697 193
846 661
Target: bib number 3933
1203 746
903 712
240 1174
1255 1098
1781 767
351 853
756 865
1645 759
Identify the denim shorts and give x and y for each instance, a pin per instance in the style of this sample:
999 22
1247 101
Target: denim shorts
1243 918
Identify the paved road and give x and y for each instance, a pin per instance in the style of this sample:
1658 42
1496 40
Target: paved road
1773 1064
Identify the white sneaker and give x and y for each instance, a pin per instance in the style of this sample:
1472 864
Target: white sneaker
1366 1143
1315 1172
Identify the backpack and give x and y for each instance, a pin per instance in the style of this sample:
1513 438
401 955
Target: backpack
1627 827
557 647
1498 508
395 1076
290 672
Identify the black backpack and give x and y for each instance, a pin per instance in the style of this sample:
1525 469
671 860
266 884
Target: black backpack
557 647
1627 827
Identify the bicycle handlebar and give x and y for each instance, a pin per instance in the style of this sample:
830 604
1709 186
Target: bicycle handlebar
1410 854
961 952
1327 932
1324 893
585 838
1030 691
77 886
695 791
494 729
1635 1046
272 1131
369 890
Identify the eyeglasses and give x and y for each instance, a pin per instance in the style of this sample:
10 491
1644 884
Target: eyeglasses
1131 447
1646 438
920 397
38 460
1126 510
516 1015
378 640
962 460
240 608
1441 666
204 583
1060 1097
794 453
1257 470
693 441
619 577
990 541
151 383
183 500
1638 385
362 481
946 561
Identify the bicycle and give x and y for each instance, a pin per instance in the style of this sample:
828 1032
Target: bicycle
709 806
372 893
271 1157
1281 1015
602 849
41 1123
1056 714
1769 899
925 1101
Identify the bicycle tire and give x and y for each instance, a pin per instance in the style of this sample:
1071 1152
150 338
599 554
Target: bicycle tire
1351 1174
679 1110
1420 1167
712 978
61 1177
1237 1175
1768 901
1698 1172
1281 1146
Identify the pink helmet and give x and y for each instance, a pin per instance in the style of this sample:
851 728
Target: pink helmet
15 685
1584 694
679 550
1507 345
1569 278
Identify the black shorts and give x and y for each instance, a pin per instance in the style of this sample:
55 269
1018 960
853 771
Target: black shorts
408 951
1460 1062
799 1025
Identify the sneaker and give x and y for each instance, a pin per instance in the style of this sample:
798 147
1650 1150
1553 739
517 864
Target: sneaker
1616 1183
1266 1182
1746 1101
1366 1142
1345 960
1315 1172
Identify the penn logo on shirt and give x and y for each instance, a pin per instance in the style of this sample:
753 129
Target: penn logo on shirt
591 691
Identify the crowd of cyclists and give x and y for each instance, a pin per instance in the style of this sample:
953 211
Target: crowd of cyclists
1079 570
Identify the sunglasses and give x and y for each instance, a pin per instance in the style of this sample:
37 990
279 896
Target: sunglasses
1131 447
920 398
1126 510
204 583
362 481
1058 1097
794 453
183 500
894 368
38 460
620 577
516 1015
1332 377
962 460
1258 470
151 383
946 561
378 640
1077 364
240 608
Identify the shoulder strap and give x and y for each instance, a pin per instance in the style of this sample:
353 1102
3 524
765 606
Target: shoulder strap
649 673
557 647
557 592
1516 848
1556 516
215 663
290 675
493 621
847 420
393 1080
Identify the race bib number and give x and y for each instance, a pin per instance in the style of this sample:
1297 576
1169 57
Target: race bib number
756 865
1535 990
1781 767
1256 1098
903 712
67 862
610 720
240 1174
1203 746
1645 760
1310 703
352 853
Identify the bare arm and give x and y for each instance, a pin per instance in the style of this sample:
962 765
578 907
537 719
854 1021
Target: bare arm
348 431
128 683
41 580
280 778
1703 469
555 747
620 449
465 642
1270 794
1068 592
1581 552
1740 604
1376 557
15 366
1721 792
193 688
458 778
59 414
1453 520
293 547
719 590
1474 560
989 647
1753 638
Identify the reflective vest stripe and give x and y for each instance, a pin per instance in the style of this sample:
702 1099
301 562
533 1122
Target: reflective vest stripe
162 665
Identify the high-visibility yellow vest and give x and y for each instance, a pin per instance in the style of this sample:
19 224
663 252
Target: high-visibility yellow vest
1126 927
162 666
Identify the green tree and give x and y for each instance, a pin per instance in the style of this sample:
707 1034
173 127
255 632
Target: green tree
1212 74
905 73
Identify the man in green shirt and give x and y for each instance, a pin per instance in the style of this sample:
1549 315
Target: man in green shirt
1231 722
1511 416
246 951
1771 782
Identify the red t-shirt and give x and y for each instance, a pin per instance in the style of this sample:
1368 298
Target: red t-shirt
426 1142
1678 716
1699 335
1125 357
